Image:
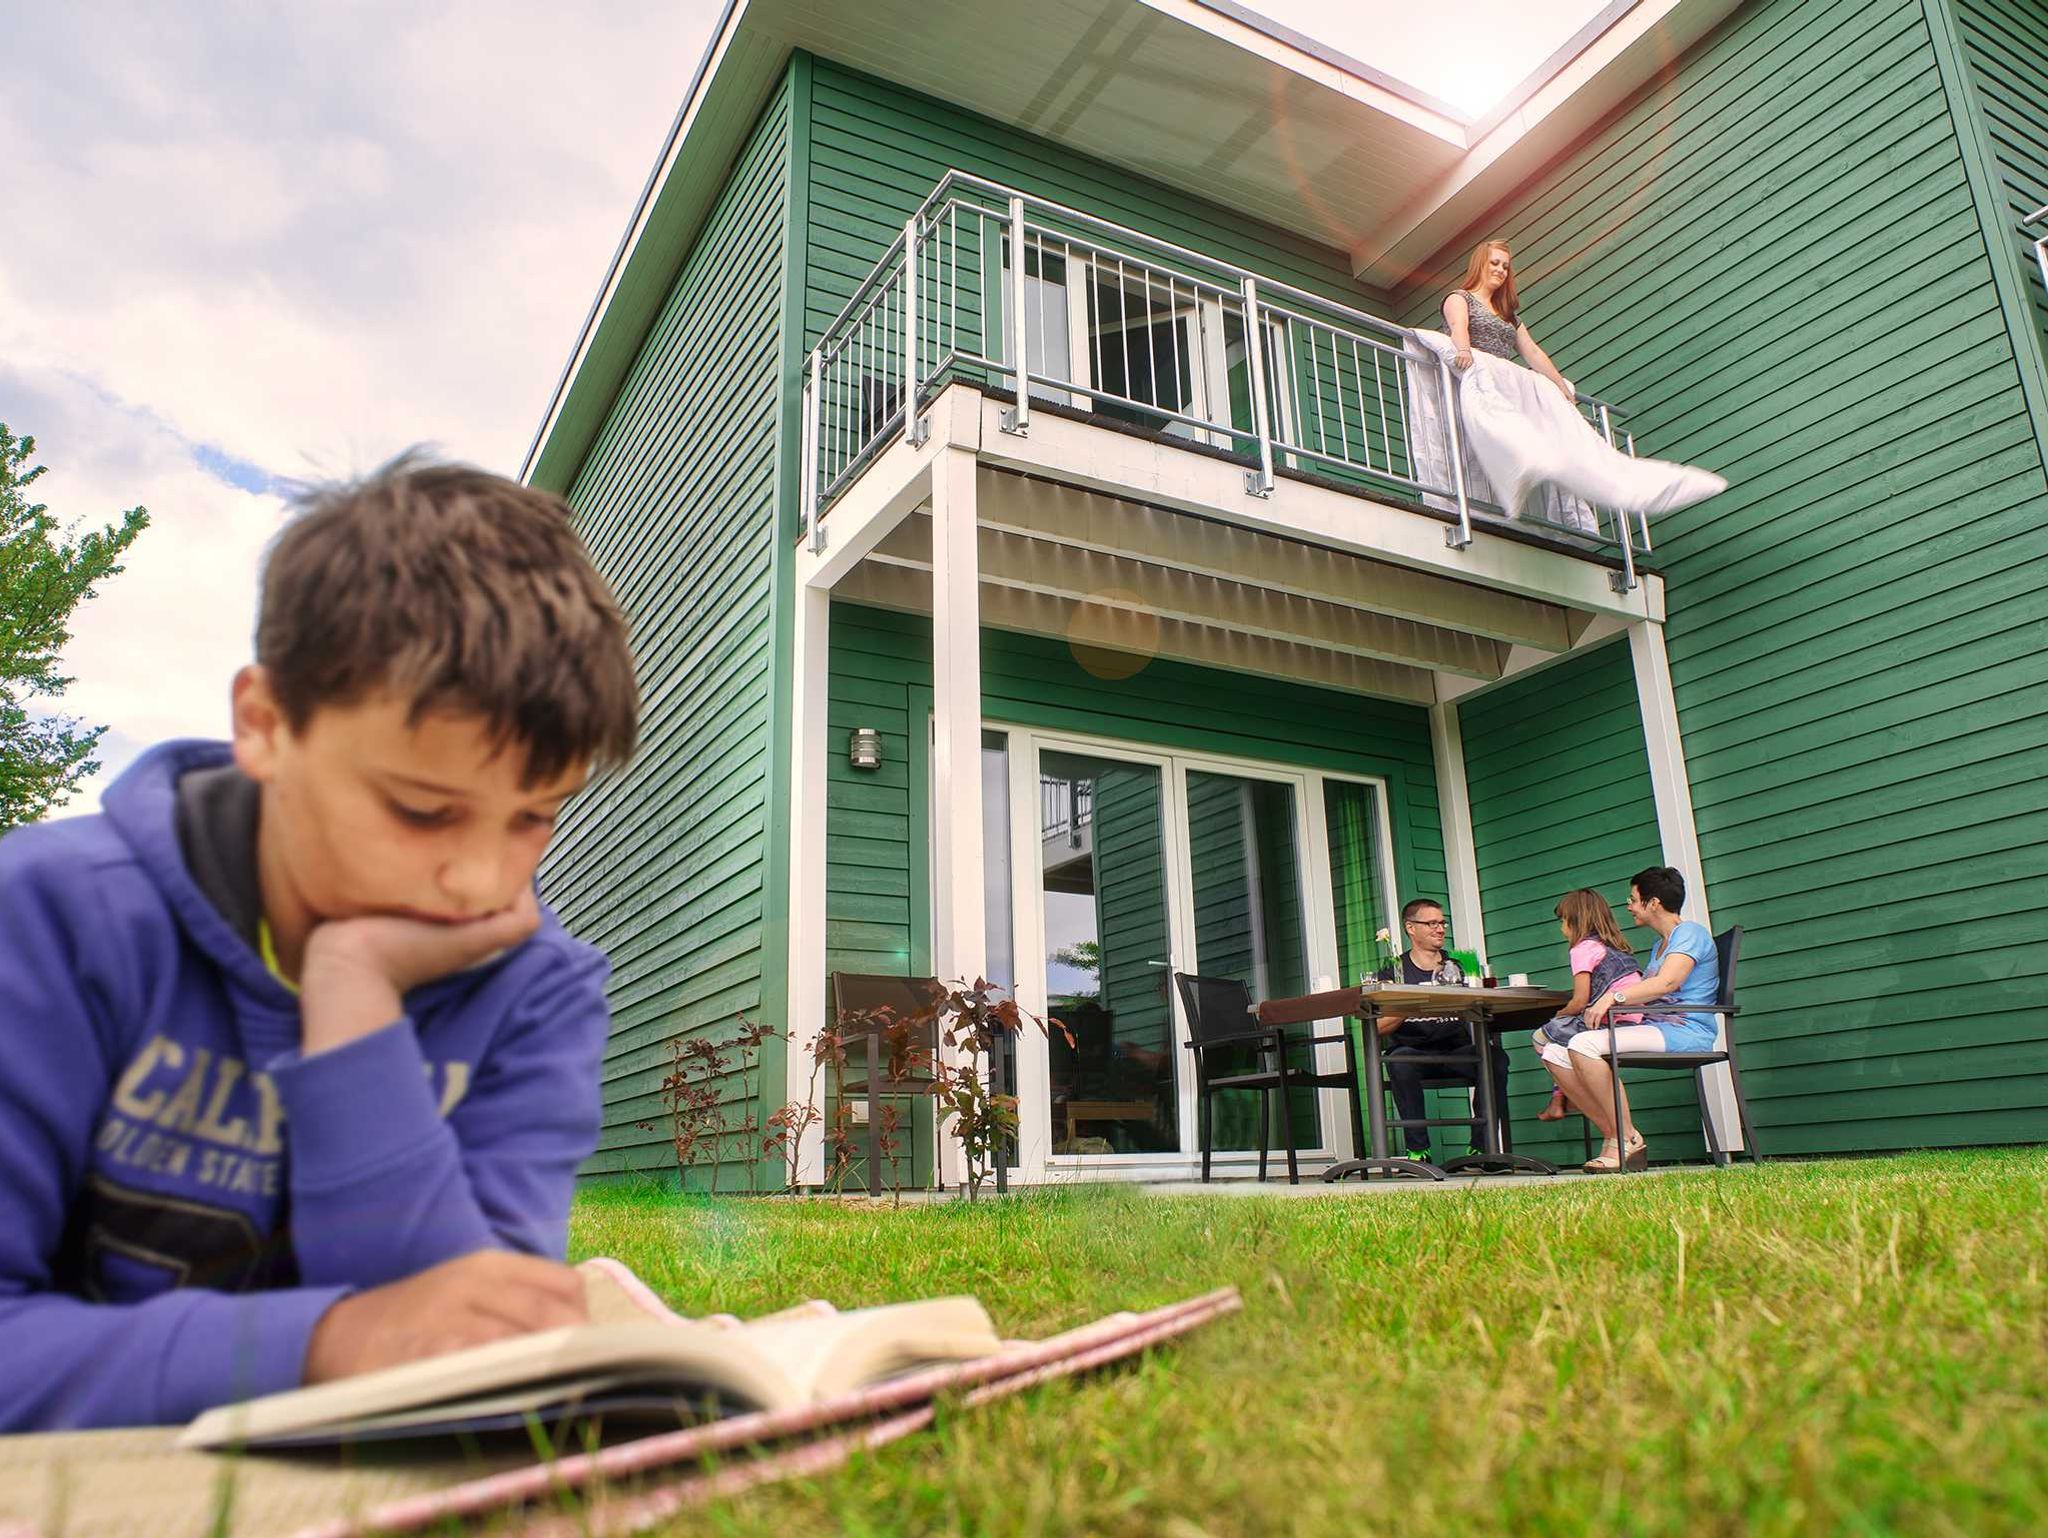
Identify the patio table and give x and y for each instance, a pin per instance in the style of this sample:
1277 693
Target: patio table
1488 1011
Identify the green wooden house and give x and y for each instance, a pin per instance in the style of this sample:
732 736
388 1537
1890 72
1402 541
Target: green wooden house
1026 386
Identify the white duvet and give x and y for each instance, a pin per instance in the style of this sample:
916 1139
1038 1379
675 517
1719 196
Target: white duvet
1529 450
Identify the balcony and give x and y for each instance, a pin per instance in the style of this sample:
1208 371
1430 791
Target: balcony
1108 326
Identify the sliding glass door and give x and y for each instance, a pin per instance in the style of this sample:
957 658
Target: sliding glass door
1107 950
1107 867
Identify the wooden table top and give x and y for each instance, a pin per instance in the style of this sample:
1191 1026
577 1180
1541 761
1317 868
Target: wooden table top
1428 999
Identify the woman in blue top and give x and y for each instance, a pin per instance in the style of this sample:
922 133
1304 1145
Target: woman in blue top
1683 968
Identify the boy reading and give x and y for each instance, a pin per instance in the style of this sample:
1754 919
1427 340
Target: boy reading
295 1071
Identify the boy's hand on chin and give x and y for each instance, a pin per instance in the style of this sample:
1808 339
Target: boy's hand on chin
357 971
467 1301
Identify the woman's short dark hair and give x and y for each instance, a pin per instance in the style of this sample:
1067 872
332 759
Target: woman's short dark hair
1660 883
462 592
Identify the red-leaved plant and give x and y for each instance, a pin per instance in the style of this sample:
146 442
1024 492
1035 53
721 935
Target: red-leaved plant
967 1024
697 1095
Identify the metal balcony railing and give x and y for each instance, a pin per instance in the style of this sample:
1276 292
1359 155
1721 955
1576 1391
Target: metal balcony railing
1108 320
1065 809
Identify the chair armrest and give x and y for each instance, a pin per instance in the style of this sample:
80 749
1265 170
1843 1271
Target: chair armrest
1271 1036
1678 1009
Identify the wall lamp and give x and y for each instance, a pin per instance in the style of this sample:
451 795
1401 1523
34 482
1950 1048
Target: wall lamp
864 748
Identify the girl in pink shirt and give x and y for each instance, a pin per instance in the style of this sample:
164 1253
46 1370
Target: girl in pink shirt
1600 959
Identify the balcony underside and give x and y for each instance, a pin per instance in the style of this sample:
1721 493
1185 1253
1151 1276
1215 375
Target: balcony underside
1122 540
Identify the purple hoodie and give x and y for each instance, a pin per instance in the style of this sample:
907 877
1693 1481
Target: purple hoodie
181 1194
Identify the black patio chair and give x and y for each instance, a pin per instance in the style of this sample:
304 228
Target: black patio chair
867 1075
1221 1024
1727 946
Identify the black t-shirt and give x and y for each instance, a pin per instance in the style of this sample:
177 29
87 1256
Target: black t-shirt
1447 971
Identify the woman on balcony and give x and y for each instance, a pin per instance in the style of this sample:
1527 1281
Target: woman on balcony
1482 313
1526 435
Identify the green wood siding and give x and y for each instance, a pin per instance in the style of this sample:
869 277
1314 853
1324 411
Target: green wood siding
1773 257
877 149
1556 805
881 664
663 867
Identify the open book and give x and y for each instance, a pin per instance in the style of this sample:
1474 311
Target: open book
663 1368
332 1478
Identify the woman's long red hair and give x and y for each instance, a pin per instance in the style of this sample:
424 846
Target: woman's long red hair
1504 303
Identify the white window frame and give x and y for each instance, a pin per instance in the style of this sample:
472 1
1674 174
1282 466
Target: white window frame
1202 317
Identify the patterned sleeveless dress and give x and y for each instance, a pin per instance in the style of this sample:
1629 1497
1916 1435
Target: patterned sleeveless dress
1614 967
1488 331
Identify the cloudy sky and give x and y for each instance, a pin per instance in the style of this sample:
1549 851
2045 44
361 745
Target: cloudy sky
258 243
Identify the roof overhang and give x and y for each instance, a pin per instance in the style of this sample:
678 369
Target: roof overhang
1199 95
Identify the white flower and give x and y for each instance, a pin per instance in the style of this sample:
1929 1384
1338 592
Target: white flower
1384 937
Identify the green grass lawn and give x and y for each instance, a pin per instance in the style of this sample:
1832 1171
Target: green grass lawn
1846 1347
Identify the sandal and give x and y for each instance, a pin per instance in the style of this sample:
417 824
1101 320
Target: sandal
1638 1155
1554 1111
1607 1162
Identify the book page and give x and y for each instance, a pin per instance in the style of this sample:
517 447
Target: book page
797 1356
823 1358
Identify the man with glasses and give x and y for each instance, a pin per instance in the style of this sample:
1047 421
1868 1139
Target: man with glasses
1426 930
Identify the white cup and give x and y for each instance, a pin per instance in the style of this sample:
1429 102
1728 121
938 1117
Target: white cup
1518 979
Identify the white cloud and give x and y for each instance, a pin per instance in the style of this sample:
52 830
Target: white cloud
300 238
152 653
315 236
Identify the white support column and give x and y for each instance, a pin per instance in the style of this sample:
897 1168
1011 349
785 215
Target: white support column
1454 805
809 748
959 924
1676 832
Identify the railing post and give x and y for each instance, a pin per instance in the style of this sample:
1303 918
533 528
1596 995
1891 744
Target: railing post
1459 536
1625 579
807 481
913 420
1642 518
1018 418
1259 482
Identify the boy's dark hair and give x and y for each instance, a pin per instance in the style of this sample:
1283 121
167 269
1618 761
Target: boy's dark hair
1660 883
466 591
1415 905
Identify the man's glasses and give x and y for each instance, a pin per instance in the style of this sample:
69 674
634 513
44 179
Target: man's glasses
1431 923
